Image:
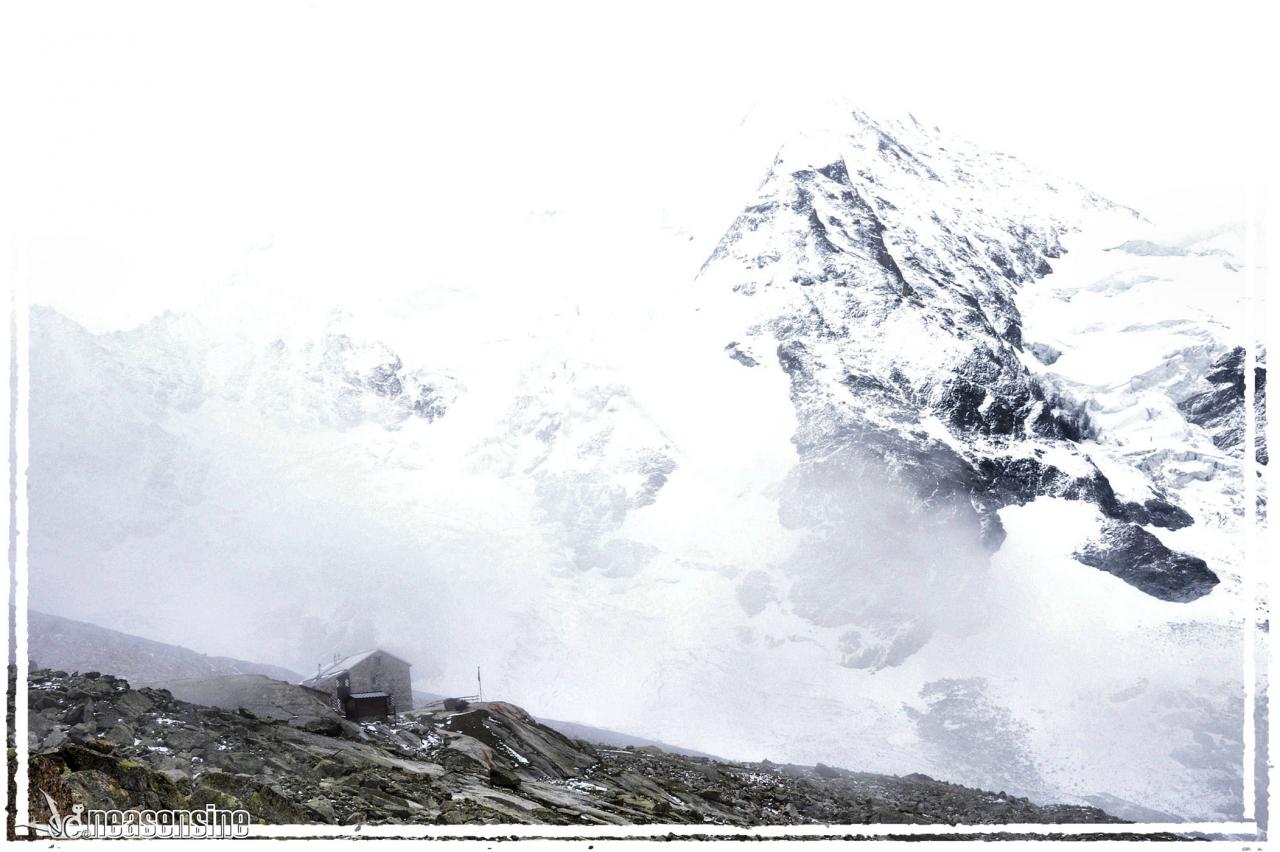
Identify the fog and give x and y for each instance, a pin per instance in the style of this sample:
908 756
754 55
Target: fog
611 521
609 518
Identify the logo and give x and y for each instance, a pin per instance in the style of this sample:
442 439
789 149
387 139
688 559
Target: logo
111 824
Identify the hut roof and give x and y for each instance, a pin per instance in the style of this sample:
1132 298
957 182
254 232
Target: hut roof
337 668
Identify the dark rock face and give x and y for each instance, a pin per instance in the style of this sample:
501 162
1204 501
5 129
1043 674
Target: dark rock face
491 763
889 325
1019 481
1141 560
1220 409
846 439
1156 512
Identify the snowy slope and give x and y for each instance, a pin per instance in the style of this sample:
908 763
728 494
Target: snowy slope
844 498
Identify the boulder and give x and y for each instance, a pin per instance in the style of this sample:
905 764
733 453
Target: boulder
55 739
133 703
502 777
81 712
177 776
82 732
329 726
121 734
329 768
322 808
100 745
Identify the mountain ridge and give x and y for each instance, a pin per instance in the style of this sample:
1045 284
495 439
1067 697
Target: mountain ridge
79 646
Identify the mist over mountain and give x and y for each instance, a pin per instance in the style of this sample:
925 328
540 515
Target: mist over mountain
75 646
914 476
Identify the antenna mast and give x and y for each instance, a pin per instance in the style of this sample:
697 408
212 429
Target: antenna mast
479 686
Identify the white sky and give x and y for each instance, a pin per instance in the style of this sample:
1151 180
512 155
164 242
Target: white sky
157 150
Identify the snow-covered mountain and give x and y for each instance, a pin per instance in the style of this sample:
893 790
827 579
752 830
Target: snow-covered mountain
936 466
897 323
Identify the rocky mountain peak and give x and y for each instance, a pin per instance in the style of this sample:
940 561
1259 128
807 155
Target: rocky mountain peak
879 267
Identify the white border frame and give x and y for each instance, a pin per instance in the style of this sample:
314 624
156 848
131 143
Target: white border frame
1244 830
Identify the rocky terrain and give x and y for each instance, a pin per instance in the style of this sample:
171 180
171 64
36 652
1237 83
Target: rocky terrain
1219 406
97 741
260 695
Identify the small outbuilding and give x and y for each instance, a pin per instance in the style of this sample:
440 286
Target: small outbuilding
369 685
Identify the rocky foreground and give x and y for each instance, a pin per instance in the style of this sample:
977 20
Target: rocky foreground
97 741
